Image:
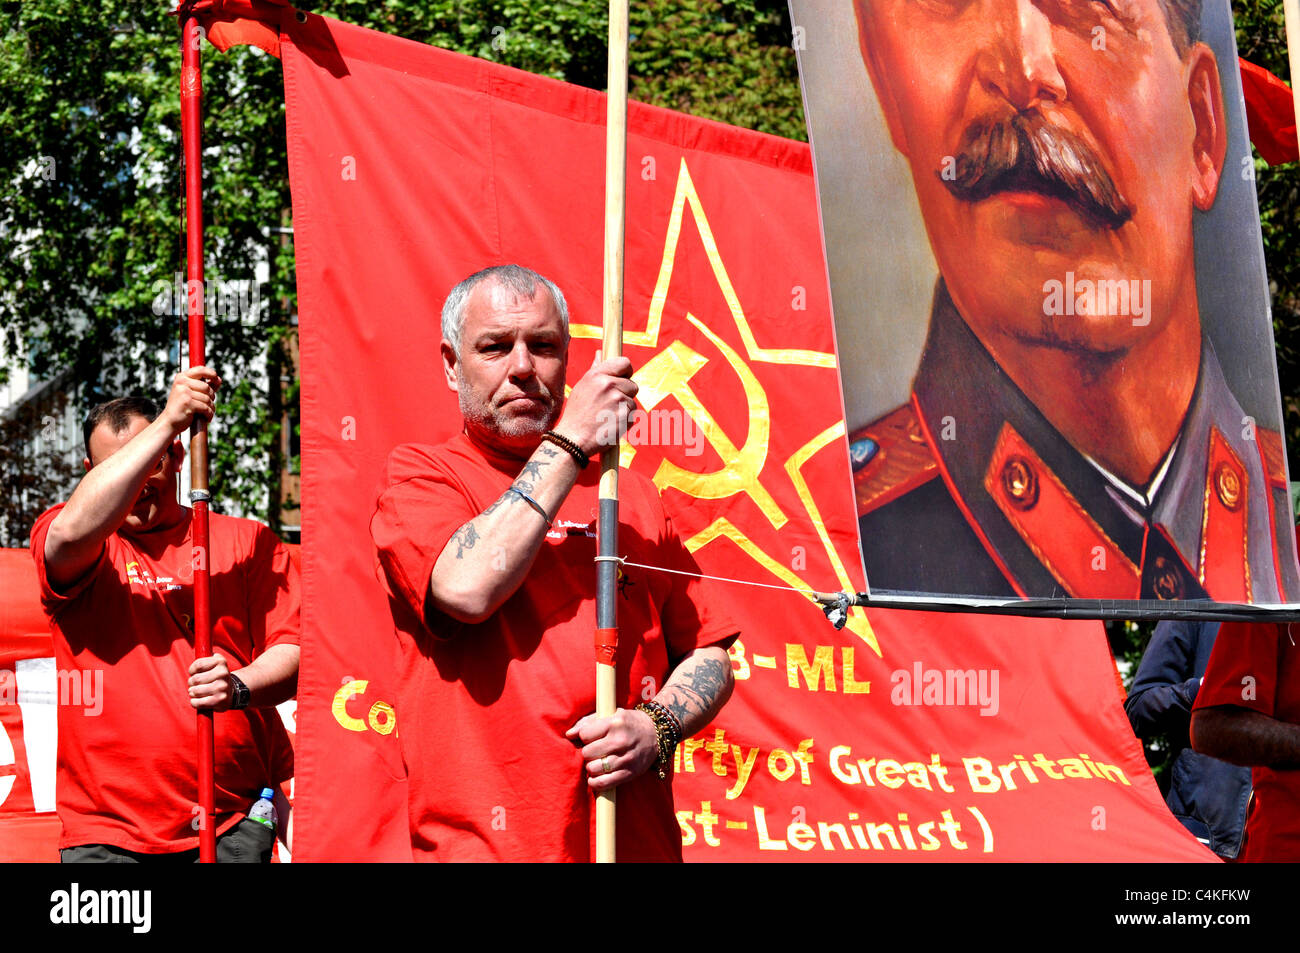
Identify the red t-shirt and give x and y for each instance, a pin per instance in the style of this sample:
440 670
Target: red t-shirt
127 755
1256 665
483 708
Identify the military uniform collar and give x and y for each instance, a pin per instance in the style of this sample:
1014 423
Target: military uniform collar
1054 523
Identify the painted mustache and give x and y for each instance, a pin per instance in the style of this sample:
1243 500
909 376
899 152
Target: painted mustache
1026 153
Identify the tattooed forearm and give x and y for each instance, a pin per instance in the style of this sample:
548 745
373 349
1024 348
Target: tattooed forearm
698 688
679 709
706 680
464 539
533 469
504 499
488 558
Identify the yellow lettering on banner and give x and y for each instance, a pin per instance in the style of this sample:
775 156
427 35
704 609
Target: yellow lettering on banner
917 775
1073 768
889 773
984 827
381 718
846 773
926 831
718 748
804 758
1006 770
801 836
875 831
825 830
821 670
979 772
739 664
688 832
851 684
940 772
339 707
760 825
1112 773
706 819
784 773
765 841
691 745
865 765
744 766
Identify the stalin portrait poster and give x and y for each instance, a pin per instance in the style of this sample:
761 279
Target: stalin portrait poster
1051 310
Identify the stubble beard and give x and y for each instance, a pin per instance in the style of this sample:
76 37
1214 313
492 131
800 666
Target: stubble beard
481 415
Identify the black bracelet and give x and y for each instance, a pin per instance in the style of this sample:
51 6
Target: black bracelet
239 693
564 443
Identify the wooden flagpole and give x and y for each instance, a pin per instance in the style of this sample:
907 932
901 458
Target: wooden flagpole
191 135
611 346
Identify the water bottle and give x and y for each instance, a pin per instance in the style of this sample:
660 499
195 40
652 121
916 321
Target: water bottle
264 810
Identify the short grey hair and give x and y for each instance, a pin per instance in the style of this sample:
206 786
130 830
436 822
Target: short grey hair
522 281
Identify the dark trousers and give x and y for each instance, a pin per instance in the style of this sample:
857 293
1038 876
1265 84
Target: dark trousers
248 842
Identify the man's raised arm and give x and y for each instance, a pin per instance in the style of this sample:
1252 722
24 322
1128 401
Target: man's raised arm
489 557
112 486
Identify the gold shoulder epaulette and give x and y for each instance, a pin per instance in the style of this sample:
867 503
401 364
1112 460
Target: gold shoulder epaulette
890 457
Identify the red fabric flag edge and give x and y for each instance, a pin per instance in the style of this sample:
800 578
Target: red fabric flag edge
228 23
1270 114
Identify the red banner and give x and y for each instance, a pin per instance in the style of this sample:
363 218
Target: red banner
903 736
29 690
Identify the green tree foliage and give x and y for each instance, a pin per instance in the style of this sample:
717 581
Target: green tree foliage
731 61
91 218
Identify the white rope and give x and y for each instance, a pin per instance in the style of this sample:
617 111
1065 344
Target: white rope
700 575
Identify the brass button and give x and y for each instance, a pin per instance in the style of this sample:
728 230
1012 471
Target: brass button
1167 580
1020 482
1227 485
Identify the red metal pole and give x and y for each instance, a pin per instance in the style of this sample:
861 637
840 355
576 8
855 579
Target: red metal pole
191 134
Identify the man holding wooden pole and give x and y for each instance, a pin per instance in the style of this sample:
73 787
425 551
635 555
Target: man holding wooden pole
117 564
486 546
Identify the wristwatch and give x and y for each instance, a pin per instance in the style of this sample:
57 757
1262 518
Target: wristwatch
240 691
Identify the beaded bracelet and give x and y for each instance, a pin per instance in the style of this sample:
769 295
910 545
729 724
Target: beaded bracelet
673 721
667 732
564 443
